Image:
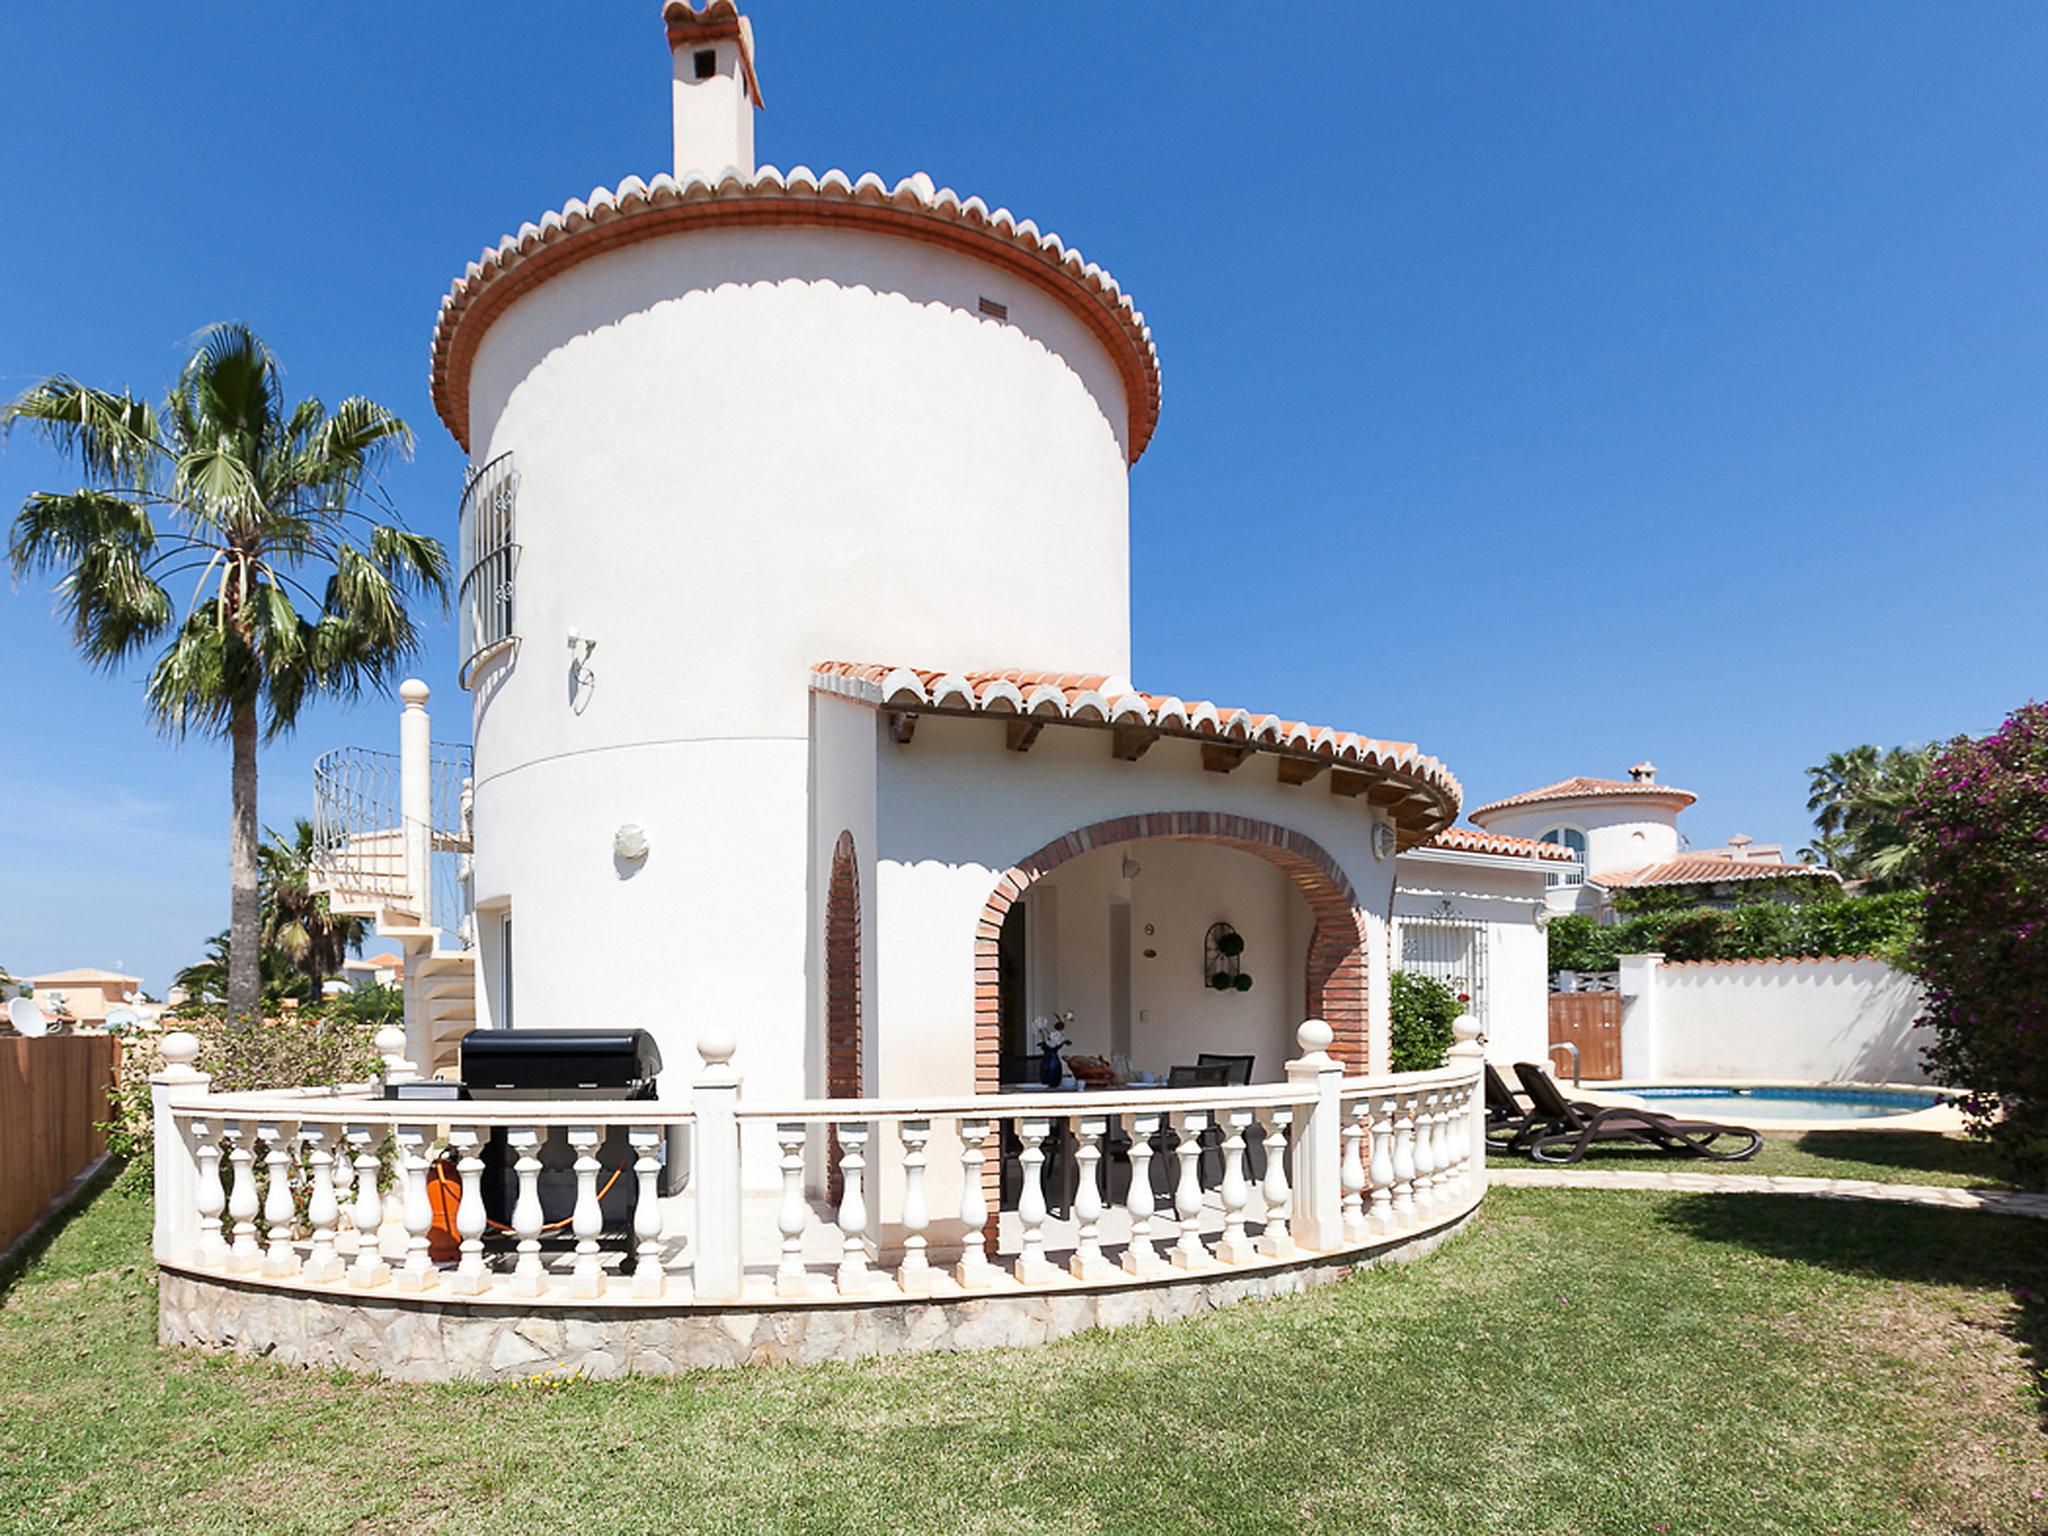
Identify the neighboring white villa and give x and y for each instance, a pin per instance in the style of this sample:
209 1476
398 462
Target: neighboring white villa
1622 834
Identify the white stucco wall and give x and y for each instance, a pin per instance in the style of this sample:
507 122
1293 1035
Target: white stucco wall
1810 1021
1505 895
1180 889
739 453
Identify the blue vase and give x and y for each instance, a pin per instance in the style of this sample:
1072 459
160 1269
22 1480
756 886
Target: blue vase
1049 1069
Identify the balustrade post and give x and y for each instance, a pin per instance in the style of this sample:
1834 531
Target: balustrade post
1404 1160
529 1276
1318 1080
1424 1180
242 1204
714 1099
212 1199
1470 1053
369 1267
852 1278
470 1277
390 1043
1033 1268
1355 1180
342 1171
1140 1257
791 1213
587 1219
323 1210
1277 1241
1380 1178
1189 1252
176 1179
914 1275
418 1273
649 1279
280 1211
1235 1246
392 1239
974 1272
1088 1262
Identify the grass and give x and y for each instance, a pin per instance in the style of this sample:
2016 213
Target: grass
1884 1157
1578 1362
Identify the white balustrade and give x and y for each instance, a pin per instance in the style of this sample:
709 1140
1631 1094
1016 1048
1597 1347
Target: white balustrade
470 1277
1141 1259
369 1268
914 1274
529 1278
587 1219
792 1212
852 1278
342 1177
1277 1241
213 1199
1380 1178
242 1202
974 1273
1188 1252
1403 1171
418 1213
1033 1267
1088 1262
649 1278
1355 1173
323 1210
280 1211
1235 1246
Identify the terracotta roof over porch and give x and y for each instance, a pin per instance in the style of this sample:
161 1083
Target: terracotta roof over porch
1709 869
1419 793
1472 840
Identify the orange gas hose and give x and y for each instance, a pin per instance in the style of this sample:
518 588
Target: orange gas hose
441 1175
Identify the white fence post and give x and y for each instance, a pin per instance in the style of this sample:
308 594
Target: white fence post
1637 983
1471 1055
1318 1158
714 1098
416 796
176 1180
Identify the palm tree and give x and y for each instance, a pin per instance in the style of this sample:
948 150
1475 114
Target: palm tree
296 919
256 500
1862 801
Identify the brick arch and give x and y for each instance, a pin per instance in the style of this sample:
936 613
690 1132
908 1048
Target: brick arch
1337 952
843 1044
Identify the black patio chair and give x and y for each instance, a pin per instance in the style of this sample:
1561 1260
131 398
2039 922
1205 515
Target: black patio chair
1508 1119
1569 1127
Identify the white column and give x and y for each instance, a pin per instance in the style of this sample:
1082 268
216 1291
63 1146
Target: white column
212 1248
790 1279
648 1276
714 1099
416 795
915 1273
242 1205
1318 1078
529 1276
1640 1042
1235 1246
1354 1180
418 1273
975 1273
852 1278
1404 1160
323 1211
369 1267
1088 1262
1140 1257
1033 1268
1277 1241
1188 1252
1380 1177
587 1220
176 1176
470 1277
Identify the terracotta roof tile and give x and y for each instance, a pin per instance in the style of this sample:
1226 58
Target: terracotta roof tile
1583 788
1472 840
1708 869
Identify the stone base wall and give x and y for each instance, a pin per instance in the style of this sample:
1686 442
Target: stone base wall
413 1339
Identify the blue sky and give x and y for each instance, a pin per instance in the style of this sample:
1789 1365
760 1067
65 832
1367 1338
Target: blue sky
1552 385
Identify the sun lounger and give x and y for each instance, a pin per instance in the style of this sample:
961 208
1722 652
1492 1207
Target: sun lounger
1567 1128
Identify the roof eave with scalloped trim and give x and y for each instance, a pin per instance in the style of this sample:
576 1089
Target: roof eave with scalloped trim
914 207
1472 840
1427 804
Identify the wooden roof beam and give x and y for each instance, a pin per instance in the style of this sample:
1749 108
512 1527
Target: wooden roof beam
1299 770
1128 743
1020 731
1223 757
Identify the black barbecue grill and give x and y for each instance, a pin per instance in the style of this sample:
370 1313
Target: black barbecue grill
500 1065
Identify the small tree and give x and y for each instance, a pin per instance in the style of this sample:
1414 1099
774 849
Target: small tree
1982 830
1424 1010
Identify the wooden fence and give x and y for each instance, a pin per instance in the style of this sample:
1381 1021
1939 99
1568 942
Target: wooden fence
53 1091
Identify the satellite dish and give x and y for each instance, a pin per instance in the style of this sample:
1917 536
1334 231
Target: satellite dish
121 1020
26 1017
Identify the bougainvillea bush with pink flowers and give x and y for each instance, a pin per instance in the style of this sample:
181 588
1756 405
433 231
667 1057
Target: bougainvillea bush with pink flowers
1983 825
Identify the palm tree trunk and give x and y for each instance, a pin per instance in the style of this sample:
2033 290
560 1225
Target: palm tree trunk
245 939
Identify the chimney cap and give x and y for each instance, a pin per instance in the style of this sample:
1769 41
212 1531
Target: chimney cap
719 21
1644 772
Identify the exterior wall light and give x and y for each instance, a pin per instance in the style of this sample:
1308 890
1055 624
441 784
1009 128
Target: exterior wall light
630 842
1382 841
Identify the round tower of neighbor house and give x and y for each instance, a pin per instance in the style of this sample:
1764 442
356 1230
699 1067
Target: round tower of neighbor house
725 424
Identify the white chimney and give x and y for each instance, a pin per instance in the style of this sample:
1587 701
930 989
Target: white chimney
715 90
1644 773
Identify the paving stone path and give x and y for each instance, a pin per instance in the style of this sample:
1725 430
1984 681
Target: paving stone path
2009 1202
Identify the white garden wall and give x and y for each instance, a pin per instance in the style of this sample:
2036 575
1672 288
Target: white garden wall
1847 1020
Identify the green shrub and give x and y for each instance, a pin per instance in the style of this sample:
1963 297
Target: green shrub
1885 925
1423 1011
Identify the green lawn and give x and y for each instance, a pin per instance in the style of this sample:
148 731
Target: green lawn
1578 1362
1886 1157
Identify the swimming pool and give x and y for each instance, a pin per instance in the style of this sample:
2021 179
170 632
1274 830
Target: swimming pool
1712 1103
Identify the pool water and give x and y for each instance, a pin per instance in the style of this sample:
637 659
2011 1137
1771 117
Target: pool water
1786 1103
